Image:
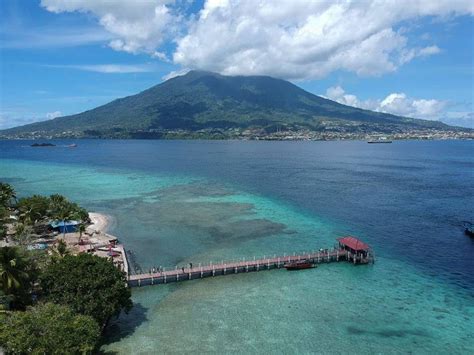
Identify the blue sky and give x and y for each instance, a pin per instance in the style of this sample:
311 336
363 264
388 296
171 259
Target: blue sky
412 58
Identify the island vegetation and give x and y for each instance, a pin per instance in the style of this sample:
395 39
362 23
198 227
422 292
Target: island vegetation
52 300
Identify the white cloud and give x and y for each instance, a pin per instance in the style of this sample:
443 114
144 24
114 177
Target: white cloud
51 115
52 38
303 39
110 68
20 117
460 118
396 103
402 105
175 73
297 39
137 26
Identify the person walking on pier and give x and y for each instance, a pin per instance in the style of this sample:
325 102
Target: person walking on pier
190 265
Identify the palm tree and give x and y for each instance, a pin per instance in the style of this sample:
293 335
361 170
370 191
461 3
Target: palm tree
13 266
82 229
23 234
64 214
60 251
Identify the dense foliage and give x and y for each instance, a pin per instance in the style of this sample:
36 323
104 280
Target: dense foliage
88 284
203 100
37 208
48 329
7 199
17 274
83 291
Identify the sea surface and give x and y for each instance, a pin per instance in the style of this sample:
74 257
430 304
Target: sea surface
175 202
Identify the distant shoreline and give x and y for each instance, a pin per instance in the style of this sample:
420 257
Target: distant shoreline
436 137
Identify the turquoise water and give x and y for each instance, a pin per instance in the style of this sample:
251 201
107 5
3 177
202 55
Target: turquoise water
244 199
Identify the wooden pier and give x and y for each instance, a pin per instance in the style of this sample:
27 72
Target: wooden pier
341 253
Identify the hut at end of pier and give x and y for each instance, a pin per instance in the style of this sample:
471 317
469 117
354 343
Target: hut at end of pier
358 252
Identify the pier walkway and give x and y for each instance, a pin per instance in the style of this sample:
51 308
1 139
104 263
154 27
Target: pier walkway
226 268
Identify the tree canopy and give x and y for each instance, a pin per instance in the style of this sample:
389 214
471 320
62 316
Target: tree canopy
48 329
7 194
88 284
36 208
17 274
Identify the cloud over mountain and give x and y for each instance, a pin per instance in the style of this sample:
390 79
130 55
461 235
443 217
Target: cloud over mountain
296 39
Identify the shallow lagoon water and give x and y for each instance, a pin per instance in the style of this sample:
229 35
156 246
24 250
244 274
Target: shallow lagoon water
180 202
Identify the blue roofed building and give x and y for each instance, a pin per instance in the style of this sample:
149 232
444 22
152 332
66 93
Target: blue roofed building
65 226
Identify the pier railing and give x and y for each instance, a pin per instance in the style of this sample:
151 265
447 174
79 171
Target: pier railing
190 272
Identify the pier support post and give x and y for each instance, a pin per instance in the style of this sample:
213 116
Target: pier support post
177 277
235 270
247 268
257 265
152 280
165 278
190 275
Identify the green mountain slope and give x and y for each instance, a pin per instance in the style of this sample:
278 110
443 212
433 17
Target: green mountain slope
203 100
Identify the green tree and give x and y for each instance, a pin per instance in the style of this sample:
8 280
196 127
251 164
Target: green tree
48 329
33 209
60 250
79 213
16 275
5 301
7 194
88 284
81 229
23 234
4 216
63 213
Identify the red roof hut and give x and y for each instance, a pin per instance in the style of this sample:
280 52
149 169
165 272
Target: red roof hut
359 251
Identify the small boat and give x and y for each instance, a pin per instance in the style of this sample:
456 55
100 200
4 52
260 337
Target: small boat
469 231
299 265
379 141
72 145
36 145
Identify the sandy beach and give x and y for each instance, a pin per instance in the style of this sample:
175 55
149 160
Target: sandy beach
100 222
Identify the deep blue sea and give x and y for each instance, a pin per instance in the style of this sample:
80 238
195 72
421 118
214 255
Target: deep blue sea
175 202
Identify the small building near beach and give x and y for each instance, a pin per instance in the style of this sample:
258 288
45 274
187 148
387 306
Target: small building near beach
64 226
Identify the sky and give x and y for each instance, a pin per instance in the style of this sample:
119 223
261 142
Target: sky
407 57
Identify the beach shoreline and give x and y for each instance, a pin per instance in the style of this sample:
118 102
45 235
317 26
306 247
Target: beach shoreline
100 222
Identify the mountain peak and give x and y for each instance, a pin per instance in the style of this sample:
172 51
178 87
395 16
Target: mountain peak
207 101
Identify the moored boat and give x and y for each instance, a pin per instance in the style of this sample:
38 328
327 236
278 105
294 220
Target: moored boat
380 141
469 231
299 265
